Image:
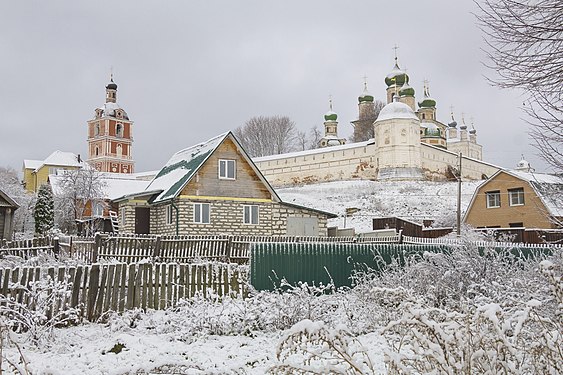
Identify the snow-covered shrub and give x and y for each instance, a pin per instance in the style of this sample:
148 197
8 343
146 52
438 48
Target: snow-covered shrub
44 210
497 315
315 348
16 364
43 310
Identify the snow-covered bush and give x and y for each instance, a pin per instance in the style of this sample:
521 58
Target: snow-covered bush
315 348
478 314
15 363
42 310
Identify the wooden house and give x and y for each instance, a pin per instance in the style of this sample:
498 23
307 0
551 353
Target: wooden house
215 188
517 199
36 172
7 208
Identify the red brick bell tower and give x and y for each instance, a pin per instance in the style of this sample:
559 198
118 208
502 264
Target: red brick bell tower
110 136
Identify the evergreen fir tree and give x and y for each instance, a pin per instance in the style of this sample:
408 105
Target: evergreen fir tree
44 212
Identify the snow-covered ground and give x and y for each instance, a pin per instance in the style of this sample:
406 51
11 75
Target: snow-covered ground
411 200
156 345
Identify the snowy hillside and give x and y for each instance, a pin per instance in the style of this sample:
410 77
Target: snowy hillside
412 200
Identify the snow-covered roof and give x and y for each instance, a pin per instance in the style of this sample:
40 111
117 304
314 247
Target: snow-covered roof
109 108
32 164
61 159
181 167
114 185
7 201
396 110
548 187
312 152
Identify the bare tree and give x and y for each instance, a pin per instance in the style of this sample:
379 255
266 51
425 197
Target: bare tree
315 136
11 185
77 193
363 127
267 135
525 48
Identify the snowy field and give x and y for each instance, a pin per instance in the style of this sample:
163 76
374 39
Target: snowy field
411 200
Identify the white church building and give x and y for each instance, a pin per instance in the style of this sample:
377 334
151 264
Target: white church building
409 144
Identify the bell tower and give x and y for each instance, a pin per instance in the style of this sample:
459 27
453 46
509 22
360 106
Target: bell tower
110 136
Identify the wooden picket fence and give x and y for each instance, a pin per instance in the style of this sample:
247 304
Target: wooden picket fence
29 248
99 288
131 248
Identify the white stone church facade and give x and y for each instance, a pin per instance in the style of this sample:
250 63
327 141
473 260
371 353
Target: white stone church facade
409 144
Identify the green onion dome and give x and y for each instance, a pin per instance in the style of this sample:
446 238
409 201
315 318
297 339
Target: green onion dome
406 89
331 116
427 101
365 97
396 77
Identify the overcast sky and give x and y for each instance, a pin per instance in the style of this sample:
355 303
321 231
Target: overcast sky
189 70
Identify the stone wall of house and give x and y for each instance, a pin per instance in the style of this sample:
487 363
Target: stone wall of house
281 212
127 216
226 217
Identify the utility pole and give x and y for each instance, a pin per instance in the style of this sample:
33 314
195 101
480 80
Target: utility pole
459 197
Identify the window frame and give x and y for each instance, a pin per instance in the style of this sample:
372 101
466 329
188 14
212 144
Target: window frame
518 193
226 163
200 219
97 209
169 215
247 214
490 194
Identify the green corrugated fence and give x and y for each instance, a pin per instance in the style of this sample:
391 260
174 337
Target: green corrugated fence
322 262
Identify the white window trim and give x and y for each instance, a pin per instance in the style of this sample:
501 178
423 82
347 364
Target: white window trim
489 193
169 215
516 192
201 205
244 217
226 177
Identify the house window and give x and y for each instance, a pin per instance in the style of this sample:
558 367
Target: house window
227 169
169 214
98 210
516 225
250 215
493 199
516 196
201 213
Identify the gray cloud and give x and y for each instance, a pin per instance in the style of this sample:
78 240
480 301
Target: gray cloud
190 70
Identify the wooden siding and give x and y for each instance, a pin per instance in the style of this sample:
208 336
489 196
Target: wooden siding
532 213
246 185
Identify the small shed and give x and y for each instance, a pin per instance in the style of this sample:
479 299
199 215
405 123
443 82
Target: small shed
7 208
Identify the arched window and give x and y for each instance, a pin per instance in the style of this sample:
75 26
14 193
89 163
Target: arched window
97 129
423 116
97 151
119 150
119 130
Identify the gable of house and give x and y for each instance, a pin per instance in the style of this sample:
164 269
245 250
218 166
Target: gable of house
246 182
507 200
